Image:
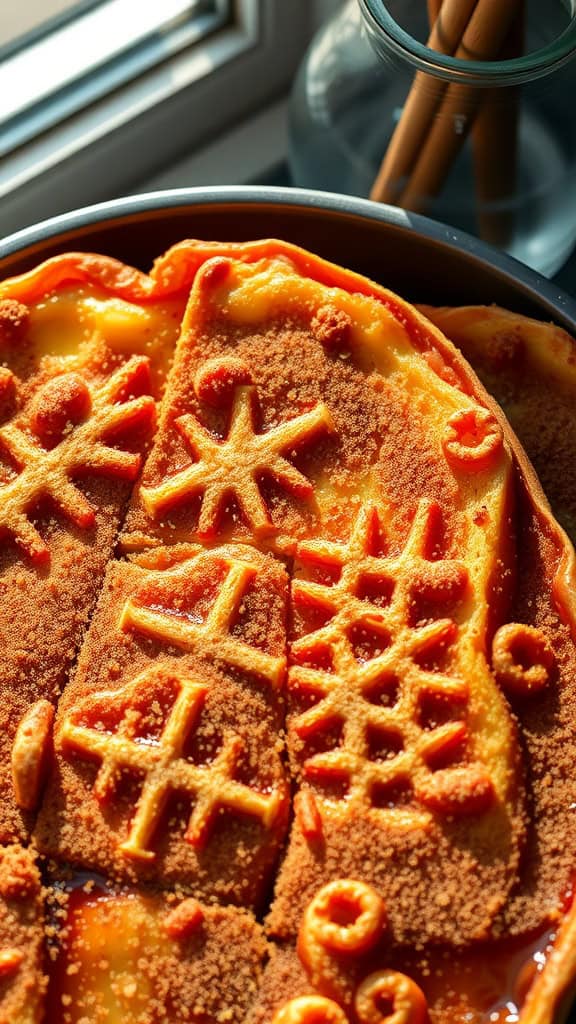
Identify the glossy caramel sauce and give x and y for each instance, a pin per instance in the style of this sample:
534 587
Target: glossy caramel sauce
137 957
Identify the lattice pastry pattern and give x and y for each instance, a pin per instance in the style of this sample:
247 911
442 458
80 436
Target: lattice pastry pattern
161 763
387 756
46 472
235 466
213 635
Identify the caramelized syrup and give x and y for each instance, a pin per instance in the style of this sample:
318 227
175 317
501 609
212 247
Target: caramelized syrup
100 966
487 985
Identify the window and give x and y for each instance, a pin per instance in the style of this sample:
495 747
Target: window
78 62
109 92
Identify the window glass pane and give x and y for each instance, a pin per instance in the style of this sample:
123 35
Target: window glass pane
18 19
76 62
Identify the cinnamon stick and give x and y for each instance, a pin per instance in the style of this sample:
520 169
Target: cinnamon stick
495 148
433 12
423 100
495 143
482 40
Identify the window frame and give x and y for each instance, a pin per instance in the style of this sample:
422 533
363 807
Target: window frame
107 149
39 90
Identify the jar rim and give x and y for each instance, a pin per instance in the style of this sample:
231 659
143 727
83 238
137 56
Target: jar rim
537 64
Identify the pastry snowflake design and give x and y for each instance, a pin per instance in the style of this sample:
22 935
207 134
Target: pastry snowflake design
47 473
376 699
161 763
235 466
213 635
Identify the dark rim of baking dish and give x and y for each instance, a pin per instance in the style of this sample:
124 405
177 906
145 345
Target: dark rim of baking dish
531 285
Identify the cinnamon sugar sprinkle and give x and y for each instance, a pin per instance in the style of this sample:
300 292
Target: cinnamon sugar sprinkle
319 642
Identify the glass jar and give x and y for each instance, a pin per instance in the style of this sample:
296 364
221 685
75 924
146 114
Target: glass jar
510 124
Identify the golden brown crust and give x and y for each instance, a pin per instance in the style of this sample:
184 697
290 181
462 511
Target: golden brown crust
314 416
294 370
14 318
43 614
201 680
75 415
530 369
81 268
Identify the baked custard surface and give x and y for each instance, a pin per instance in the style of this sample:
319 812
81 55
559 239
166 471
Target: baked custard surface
289 632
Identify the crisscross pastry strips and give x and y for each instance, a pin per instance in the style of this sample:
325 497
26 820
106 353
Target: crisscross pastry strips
220 687
213 634
378 697
235 466
80 419
160 760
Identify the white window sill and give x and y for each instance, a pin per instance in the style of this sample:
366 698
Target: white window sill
247 154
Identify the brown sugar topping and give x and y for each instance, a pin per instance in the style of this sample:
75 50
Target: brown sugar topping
161 762
82 447
19 879
14 318
342 925
236 465
22 983
212 635
396 729
332 327
115 961
363 670
62 403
